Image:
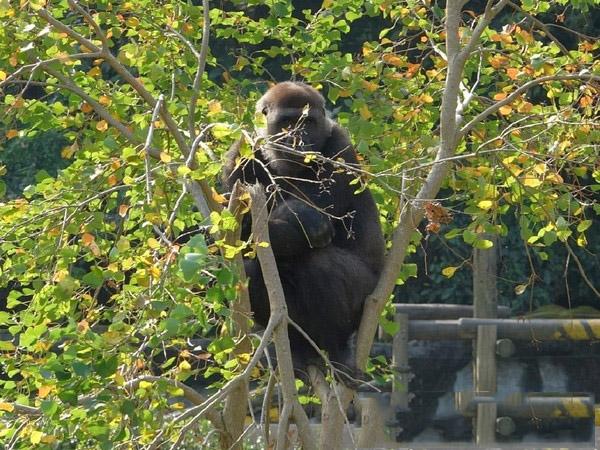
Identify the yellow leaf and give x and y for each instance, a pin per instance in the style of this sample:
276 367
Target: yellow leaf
49 439
153 243
394 60
365 113
8 407
500 96
119 379
43 391
554 178
87 238
154 272
184 365
327 4
369 86
214 107
112 180
263 244
540 168
525 107
86 107
244 358
104 100
2 75
102 125
12 133
512 73
165 157
95 72
485 204
112 337
145 384
519 289
132 22
36 437
69 151
531 182
505 110
218 197
449 271
426 98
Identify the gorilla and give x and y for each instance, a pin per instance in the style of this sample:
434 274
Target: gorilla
326 238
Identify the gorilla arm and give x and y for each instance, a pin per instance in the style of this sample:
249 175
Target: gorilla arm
295 227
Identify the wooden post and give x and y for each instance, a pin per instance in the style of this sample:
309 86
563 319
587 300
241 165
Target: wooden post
485 271
400 365
373 419
485 305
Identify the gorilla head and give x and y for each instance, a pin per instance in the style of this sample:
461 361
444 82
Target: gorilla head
296 121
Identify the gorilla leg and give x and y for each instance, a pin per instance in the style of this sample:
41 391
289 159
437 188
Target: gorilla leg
324 292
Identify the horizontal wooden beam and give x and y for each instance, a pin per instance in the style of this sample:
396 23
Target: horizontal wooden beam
441 311
518 329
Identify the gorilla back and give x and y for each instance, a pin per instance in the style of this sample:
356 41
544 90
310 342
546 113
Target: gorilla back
326 239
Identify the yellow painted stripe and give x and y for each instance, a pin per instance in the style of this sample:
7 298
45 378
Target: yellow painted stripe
595 327
576 331
576 408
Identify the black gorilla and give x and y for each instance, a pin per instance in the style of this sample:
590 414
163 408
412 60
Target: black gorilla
327 240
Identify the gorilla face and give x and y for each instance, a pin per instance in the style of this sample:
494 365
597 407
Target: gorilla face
296 122
301 130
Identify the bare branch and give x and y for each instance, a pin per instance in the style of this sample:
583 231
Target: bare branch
413 211
234 410
484 20
581 270
207 203
278 307
201 57
147 146
44 14
100 110
541 25
90 20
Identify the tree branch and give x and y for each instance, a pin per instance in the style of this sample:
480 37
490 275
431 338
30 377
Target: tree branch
541 25
208 203
234 411
521 90
278 307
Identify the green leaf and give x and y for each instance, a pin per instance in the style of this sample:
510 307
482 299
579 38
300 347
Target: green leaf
483 244
106 367
584 225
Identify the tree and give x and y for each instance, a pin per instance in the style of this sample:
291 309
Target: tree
106 297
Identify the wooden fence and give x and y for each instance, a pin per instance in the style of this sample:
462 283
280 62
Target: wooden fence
492 332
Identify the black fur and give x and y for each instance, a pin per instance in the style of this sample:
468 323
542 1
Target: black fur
327 240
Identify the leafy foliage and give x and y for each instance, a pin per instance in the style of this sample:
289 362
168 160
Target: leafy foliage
97 282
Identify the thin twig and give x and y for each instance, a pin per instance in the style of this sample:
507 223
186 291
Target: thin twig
147 146
581 270
521 90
